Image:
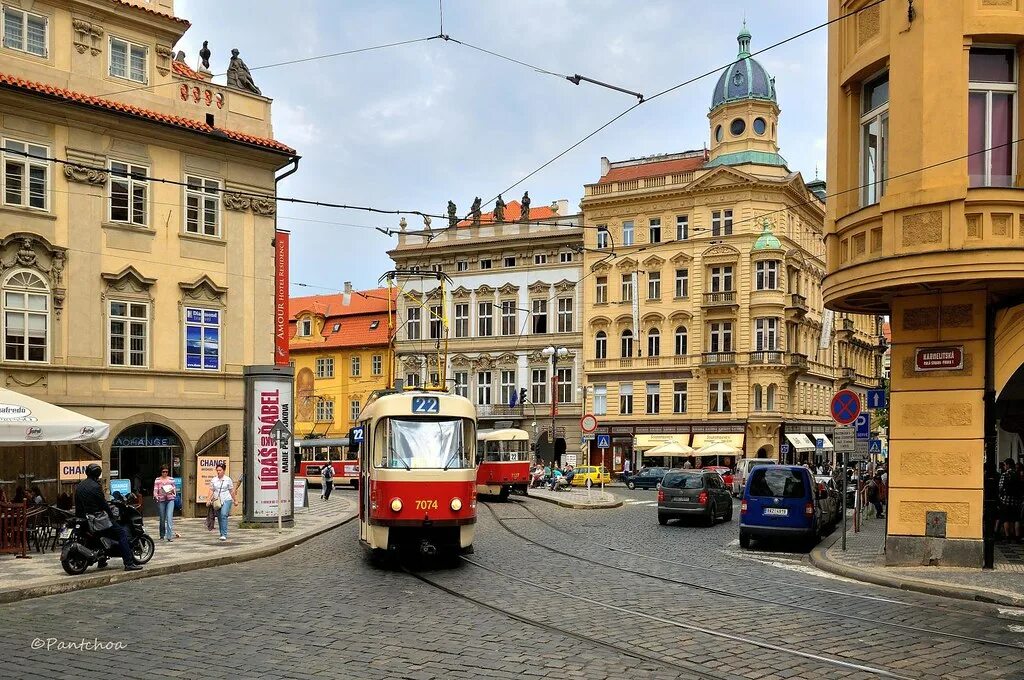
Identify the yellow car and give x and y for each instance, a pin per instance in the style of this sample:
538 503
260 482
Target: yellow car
595 473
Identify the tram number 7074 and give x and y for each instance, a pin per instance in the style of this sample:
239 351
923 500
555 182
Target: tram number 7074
426 505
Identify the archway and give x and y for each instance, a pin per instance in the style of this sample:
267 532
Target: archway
1009 419
138 452
764 452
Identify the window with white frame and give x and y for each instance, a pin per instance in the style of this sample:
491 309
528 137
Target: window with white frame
720 336
626 344
485 319
510 262
436 268
434 327
680 343
354 409
357 366
721 222
720 396
129 193
758 398
653 285
540 259
539 385
25 31
627 233
601 345
679 397
653 342
412 379
654 230
766 275
462 265
324 367
653 398
305 328
26 174
202 206
485 263
600 400
565 256
565 324
26 318
377 364
682 283
625 399
508 386
461 383
539 319
412 323
682 227
601 290
202 339
509 325
483 388
721 279
129 333
324 410
874 125
462 320
627 288
564 376
766 333
128 60
992 116
604 239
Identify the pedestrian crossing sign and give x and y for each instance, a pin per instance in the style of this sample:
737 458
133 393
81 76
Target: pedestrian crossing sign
875 446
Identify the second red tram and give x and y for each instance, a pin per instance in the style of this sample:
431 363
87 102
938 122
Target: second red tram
503 462
314 454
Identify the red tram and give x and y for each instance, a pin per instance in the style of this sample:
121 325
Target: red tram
417 486
316 453
503 462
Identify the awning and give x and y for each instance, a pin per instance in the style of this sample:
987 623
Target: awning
670 450
702 440
26 420
650 441
827 444
800 442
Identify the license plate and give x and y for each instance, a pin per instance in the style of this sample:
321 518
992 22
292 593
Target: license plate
780 512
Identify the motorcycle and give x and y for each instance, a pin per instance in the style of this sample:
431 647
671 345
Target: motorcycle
82 548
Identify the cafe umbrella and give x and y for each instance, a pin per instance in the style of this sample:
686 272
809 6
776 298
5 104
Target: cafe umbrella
718 449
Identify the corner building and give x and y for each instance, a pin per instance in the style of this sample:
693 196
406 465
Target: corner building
131 300
928 227
702 293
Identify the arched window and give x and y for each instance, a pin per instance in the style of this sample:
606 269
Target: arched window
653 343
627 344
681 341
26 317
770 399
601 345
758 402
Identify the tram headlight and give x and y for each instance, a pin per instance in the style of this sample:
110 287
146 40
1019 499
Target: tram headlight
396 504
456 504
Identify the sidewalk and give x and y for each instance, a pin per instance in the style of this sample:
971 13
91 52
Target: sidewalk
578 498
864 560
197 548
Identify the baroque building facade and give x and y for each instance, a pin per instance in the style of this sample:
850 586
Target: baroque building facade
702 296
512 294
134 301
924 113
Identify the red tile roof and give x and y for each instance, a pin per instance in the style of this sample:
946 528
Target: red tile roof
182 69
333 305
125 3
176 121
652 169
513 211
356 330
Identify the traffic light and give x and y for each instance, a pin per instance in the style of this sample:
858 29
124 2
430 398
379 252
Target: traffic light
522 395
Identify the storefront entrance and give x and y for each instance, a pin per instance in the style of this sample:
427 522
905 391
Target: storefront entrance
138 453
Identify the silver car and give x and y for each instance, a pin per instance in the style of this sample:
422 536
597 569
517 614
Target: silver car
694 493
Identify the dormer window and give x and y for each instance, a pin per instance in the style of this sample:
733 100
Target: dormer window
337 327
374 325
305 328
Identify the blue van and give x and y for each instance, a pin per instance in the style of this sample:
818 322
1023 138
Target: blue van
782 500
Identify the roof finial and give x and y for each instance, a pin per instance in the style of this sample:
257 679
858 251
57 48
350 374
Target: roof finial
744 40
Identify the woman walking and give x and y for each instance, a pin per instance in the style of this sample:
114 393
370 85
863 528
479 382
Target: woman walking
222 497
164 493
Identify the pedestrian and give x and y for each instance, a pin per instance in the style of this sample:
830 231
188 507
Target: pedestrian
222 497
1009 500
556 478
328 483
874 494
626 468
19 495
687 464
37 496
165 493
569 474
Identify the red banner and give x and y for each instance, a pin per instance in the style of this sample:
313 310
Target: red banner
281 298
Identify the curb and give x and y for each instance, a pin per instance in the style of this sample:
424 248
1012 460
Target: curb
823 562
579 506
114 577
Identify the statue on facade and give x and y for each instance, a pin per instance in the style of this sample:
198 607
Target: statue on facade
525 216
204 55
452 218
179 56
239 76
474 211
499 210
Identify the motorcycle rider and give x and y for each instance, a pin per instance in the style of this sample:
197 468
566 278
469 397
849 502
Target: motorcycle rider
89 500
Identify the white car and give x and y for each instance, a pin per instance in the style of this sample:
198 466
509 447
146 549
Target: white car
743 468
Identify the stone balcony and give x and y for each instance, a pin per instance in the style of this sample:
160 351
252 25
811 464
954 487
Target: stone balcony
718 359
726 298
767 357
798 362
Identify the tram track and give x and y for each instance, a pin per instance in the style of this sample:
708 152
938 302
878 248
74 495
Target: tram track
960 611
741 596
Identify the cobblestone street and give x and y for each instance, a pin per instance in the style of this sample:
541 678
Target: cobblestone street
546 597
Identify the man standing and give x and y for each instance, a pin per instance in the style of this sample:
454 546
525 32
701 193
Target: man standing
1009 500
328 481
89 501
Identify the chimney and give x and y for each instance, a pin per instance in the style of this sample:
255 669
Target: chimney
561 206
606 166
346 297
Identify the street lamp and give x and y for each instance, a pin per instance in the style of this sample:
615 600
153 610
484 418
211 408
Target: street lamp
555 353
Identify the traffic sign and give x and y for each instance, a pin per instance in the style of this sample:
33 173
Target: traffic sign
875 446
844 439
588 423
845 407
784 449
863 426
604 441
586 437
819 443
876 399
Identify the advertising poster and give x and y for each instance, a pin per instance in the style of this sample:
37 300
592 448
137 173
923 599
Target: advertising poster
72 470
268 443
206 469
281 332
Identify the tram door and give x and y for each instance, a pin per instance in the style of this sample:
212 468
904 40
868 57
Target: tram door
364 478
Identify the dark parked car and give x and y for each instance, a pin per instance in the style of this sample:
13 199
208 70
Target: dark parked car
694 493
645 479
834 497
783 500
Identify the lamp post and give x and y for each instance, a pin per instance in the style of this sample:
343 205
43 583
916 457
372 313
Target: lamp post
556 353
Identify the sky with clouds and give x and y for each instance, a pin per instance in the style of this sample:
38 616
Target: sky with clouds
415 125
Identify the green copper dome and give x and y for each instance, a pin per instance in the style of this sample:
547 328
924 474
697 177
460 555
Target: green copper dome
745 79
767 240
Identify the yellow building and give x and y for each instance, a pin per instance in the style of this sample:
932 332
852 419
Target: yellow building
703 317
340 350
132 300
927 226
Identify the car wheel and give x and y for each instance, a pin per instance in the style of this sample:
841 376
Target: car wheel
728 514
662 519
711 516
744 540
631 485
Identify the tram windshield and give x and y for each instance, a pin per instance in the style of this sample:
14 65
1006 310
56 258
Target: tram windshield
426 443
504 451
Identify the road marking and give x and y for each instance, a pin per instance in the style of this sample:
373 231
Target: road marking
1011 612
1016 629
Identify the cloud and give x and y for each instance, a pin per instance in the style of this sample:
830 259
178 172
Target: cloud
294 126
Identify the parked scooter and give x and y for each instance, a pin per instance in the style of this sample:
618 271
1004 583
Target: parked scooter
82 548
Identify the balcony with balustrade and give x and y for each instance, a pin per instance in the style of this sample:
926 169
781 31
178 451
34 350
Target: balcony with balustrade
720 299
714 359
798 362
767 358
640 363
797 306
